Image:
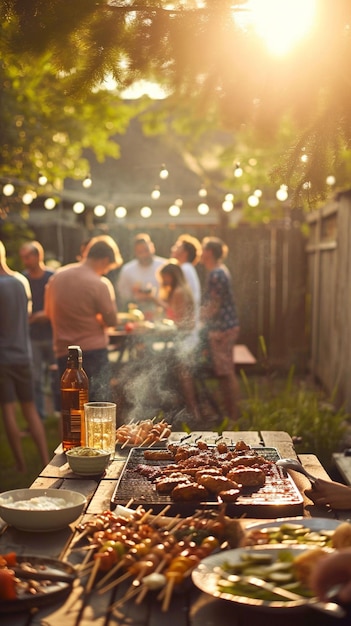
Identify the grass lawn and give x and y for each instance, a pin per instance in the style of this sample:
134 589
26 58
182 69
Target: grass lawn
9 477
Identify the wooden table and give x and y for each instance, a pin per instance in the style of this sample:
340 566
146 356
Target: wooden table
189 608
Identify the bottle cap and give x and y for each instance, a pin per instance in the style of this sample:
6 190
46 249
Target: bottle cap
76 349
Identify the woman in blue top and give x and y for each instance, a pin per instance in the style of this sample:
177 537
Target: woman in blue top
220 324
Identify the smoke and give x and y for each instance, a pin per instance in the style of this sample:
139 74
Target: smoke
146 385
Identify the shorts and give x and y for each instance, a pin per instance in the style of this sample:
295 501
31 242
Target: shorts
221 344
16 383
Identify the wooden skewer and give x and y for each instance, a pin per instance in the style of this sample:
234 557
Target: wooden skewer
112 571
144 589
92 576
164 510
125 443
145 516
130 593
168 593
115 582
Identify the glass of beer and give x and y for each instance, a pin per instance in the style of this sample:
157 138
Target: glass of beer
100 425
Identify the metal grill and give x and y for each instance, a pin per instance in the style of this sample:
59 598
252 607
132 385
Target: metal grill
278 497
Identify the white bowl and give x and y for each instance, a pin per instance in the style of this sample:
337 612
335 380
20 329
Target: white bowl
60 507
88 461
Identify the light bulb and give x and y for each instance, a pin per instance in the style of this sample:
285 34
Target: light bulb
120 212
155 194
227 206
174 210
99 210
42 180
203 208
163 172
282 194
253 201
202 192
8 189
87 182
27 198
78 207
145 212
50 203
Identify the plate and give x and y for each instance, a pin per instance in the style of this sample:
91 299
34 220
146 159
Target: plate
316 526
207 574
52 593
314 523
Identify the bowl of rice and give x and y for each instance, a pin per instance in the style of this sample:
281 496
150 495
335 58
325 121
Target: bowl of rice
41 510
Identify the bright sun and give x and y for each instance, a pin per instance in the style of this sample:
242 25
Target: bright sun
281 23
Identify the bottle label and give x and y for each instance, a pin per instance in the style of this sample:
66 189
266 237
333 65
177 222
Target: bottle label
74 420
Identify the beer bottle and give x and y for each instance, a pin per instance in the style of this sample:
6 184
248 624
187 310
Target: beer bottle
74 393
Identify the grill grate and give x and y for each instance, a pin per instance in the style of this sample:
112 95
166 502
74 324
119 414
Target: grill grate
278 497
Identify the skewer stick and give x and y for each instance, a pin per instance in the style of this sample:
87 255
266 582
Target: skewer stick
112 571
92 576
115 582
125 443
168 592
164 510
145 516
144 589
130 593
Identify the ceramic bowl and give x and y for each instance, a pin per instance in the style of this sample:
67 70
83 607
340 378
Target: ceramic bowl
41 510
88 461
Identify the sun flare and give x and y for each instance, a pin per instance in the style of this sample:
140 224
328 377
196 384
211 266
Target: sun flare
281 23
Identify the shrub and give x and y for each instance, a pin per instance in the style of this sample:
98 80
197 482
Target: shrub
302 410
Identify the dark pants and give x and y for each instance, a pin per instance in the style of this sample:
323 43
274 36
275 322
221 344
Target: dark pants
97 368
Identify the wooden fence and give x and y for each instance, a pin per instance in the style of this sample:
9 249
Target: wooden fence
329 285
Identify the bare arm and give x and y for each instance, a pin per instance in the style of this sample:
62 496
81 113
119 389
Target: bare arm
334 569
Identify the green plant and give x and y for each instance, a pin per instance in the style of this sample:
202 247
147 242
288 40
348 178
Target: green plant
302 410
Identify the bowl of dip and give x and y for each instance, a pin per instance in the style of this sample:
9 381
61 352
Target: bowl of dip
41 510
86 461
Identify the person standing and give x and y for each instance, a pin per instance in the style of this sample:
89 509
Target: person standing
187 251
80 303
44 362
16 380
137 279
220 323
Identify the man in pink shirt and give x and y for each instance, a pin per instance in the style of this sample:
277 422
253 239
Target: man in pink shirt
80 303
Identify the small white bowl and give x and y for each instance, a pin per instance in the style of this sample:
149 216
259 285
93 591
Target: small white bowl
59 508
86 461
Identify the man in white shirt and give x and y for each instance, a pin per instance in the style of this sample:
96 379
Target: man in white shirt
138 278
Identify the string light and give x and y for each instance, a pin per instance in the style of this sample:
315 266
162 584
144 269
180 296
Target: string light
120 212
87 182
28 197
50 203
99 210
8 189
174 210
203 208
163 172
238 171
155 194
202 192
42 180
227 206
330 180
78 207
145 212
282 193
253 201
